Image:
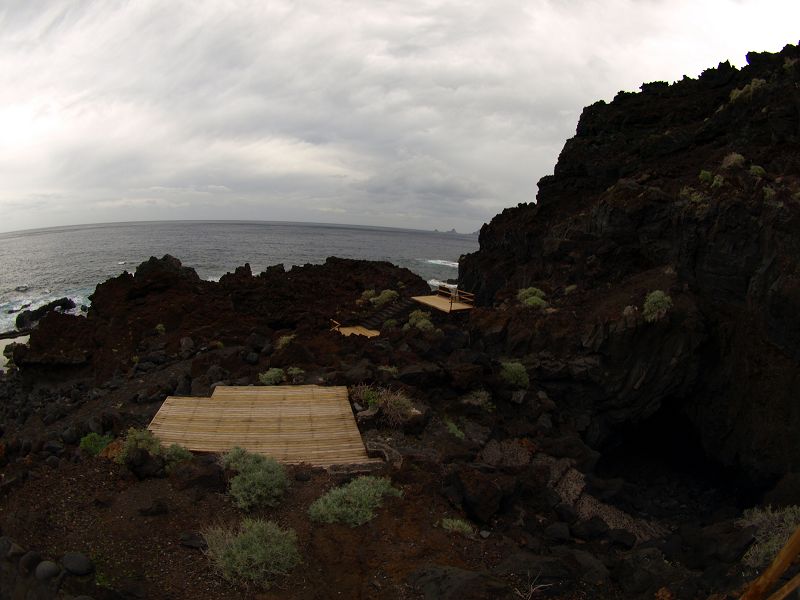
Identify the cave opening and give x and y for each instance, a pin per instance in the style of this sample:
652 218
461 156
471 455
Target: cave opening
664 471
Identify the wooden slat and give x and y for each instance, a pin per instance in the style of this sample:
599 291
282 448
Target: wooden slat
441 303
293 424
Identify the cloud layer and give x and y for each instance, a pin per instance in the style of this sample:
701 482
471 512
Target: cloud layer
413 114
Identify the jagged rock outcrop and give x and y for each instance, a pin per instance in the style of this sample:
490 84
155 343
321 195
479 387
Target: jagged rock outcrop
692 188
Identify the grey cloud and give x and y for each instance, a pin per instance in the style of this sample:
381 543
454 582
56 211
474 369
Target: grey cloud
421 113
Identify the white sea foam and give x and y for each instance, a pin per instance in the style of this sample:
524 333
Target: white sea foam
444 263
434 283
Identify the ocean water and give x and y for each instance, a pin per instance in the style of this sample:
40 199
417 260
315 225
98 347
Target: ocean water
38 266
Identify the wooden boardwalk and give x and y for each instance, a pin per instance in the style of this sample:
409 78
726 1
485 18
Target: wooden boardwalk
293 424
441 303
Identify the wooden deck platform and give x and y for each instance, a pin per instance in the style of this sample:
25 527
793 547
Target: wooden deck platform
358 330
441 303
447 299
293 424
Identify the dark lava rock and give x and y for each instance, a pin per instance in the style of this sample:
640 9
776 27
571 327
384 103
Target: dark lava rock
193 540
157 507
28 318
302 475
77 563
452 583
144 465
558 531
623 539
612 221
480 494
28 561
590 529
47 570
201 472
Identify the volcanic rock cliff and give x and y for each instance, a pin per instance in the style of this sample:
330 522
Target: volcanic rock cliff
692 188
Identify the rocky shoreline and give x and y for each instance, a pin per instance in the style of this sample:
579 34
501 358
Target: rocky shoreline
601 439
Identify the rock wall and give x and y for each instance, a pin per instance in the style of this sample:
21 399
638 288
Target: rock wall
693 188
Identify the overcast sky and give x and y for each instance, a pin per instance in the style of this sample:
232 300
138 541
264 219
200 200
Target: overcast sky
421 114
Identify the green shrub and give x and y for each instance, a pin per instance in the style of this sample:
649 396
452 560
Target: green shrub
260 480
718 182
256 554
296 374
367 295
272 376
94 443
284 341
656 306
365 395
769 193
746 93
734 160
457 526
389 370
419 319
479 398
160 329
354 503
514 374
139 439
705 177
389 324
757 171
773 529
689 193
532 297
395 407
453 429
384 298
175 454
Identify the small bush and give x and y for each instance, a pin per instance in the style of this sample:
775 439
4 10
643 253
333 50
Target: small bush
514 374
718 182
389 324
175 454
295 374
256 554
773 528
139 439
746 93
705 177
395 407
384 298
354 503
458 526
283 341
689 193
656 306
734 160
769 193
272 376
365 395
757 171
367 295
94 443
532 297
419 319
160 329
389 370
479 398
453 429
260 480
